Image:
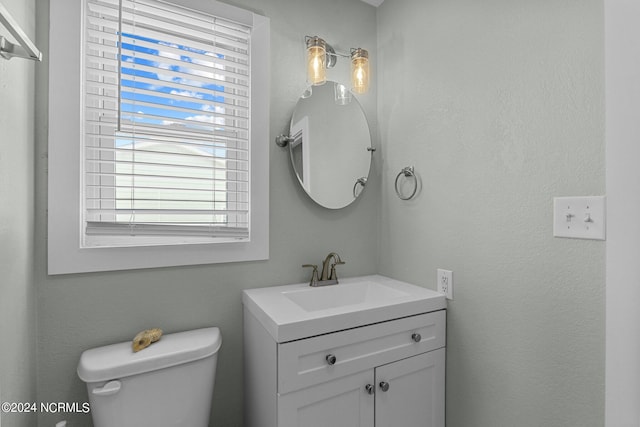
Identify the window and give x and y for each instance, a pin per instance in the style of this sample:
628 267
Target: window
164 161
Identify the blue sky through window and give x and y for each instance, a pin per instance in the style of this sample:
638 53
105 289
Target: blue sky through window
143 88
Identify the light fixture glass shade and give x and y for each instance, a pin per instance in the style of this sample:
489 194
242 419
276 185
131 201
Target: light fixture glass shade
360 70
342 94
316 61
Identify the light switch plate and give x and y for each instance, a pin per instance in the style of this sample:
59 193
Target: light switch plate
579 217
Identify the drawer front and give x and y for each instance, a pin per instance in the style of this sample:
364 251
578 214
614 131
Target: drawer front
307 362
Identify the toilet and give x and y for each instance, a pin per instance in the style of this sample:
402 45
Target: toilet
169 383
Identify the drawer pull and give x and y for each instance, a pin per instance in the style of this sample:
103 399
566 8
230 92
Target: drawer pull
369 388
416 337
384 386
331 359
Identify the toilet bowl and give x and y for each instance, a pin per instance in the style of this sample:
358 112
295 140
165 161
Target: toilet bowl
169 383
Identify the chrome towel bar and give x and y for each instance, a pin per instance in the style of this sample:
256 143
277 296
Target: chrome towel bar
25 48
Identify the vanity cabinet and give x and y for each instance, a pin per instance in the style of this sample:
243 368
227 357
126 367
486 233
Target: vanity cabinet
389 373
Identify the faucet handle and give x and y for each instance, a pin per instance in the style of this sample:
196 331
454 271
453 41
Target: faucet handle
333 275
314 274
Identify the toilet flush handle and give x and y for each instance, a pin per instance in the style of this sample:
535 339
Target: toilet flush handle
112 387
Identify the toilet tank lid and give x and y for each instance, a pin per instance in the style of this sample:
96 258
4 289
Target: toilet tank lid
119 361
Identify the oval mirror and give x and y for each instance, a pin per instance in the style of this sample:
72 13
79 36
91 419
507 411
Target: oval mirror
330 146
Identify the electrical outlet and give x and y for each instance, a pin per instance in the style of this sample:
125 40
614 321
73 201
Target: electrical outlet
445 282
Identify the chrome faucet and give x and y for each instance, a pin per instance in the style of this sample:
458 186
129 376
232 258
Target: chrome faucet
328 275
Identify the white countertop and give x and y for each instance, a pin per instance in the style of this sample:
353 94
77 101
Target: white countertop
287 321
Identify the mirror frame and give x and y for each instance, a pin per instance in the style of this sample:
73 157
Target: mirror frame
356 182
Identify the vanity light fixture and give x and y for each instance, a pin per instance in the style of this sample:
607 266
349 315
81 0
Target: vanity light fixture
320 56
316 60
360 70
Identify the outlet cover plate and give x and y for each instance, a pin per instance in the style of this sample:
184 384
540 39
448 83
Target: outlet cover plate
579 217
445 282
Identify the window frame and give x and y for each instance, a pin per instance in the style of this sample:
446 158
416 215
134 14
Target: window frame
65 217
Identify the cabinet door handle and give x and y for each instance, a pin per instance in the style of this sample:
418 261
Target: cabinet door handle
384 386
331 359
369 388
416 337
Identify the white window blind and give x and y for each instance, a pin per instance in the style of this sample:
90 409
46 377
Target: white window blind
166 124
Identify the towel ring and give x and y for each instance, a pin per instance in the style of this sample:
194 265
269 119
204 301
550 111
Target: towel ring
360 181
407 172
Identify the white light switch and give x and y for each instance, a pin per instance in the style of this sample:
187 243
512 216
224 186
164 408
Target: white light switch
579 217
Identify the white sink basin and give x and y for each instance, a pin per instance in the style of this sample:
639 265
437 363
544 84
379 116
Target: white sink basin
297 311
334 296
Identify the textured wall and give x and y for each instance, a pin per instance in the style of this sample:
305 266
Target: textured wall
500 106
17 295
623 237
77 312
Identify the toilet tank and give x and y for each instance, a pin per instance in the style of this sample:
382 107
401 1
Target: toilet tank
169 383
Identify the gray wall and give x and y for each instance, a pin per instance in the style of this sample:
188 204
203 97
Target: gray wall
77 312
17 294
623 238
500 106
507 111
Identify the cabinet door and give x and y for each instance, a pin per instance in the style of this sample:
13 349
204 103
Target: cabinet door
415 391
343 402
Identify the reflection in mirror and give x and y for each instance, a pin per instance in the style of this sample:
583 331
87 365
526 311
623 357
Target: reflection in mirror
330 145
